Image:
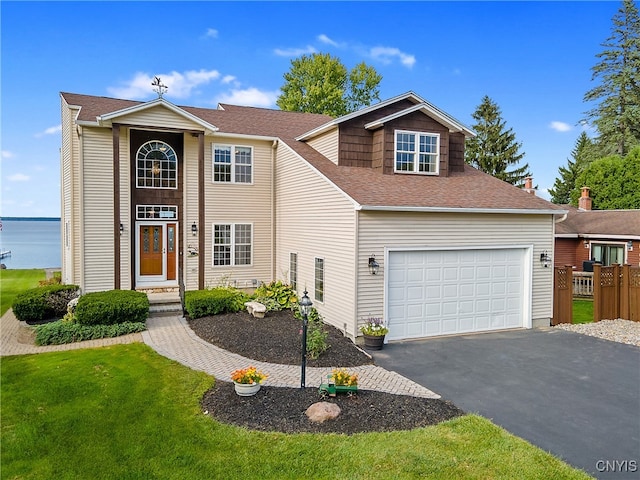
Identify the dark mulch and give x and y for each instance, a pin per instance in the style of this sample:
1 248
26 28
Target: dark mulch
277 339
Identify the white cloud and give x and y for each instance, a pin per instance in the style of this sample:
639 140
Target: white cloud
324 39
49 131
251 97
294 52
560 126
386 55
180 85
7 154
18 177
227 79
211 33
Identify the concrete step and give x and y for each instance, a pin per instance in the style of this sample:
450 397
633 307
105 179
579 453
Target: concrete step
164 303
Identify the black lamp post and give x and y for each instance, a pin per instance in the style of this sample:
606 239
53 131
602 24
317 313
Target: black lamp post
305 308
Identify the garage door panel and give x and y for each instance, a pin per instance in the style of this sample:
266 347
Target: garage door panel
447 292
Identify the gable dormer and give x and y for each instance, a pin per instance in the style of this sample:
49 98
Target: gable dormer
404 135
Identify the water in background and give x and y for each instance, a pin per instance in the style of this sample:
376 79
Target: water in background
34 243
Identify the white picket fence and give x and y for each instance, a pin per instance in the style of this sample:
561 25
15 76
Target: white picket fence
583 284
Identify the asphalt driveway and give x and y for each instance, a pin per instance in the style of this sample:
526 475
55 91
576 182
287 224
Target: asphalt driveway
575 396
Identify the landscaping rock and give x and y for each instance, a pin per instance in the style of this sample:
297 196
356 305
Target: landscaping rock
321 411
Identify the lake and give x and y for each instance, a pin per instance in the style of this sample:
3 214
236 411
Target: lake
34 243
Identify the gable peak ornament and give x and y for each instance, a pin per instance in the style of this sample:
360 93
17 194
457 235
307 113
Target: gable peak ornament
160 88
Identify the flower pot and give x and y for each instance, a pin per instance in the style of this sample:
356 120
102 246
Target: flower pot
373 342
246 389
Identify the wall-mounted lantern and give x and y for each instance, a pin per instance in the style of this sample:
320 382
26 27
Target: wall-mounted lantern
545 259
373 265
194 229
630 246
586 243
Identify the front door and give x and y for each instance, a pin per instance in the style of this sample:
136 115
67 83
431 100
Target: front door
156 253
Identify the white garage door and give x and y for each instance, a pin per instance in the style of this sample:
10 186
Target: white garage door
454 291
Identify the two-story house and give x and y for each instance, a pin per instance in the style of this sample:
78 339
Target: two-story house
374 213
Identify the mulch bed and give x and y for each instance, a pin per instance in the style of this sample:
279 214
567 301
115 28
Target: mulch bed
277 339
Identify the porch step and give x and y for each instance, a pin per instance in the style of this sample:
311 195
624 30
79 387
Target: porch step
164 303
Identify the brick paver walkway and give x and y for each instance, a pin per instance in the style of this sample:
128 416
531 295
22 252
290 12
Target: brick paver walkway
171 337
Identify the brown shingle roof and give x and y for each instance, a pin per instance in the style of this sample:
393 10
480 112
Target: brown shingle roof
470 189
600 222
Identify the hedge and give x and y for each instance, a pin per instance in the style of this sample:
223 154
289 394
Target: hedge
112 307
60 332
43 303
202 303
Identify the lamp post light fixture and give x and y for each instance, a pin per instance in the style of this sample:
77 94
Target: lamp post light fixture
545 259
373 265
194 229
305 308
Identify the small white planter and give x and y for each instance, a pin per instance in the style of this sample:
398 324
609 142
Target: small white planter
246 389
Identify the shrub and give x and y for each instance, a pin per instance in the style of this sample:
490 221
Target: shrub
202 303
276 296
42 303
60 332
316 333
112 307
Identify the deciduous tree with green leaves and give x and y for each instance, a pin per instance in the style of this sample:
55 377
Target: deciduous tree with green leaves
614 182
494 149
320 83
565 184
617 95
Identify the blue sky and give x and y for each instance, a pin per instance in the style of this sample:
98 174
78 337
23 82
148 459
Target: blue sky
533 59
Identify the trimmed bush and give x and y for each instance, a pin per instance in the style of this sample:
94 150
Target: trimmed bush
112 307
60 332
202 303
43 303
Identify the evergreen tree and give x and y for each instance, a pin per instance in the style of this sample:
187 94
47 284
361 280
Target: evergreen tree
565 184
617 113
495 148
320 83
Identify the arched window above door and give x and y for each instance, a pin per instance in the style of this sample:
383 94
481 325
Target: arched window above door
157 166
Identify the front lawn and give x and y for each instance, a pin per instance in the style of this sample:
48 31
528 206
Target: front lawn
127 412
13 282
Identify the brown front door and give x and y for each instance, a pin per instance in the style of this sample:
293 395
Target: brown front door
151 250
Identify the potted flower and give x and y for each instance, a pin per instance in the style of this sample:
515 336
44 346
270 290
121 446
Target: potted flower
374 331
247 381
340 381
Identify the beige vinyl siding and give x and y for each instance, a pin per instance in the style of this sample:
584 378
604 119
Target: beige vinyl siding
98 210
315 219
190 212
327 144
126 252
233 203
67 153
159 116
378 230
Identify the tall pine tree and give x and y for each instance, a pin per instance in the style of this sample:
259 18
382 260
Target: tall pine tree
494 149
617 112
566 182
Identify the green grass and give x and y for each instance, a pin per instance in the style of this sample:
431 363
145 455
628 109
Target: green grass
13 282
582 311
125 412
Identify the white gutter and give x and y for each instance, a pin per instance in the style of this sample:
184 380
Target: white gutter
518 211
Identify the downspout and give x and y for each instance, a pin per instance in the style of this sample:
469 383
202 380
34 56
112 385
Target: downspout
274 146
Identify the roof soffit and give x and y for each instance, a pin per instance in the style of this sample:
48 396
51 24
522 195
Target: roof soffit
428 110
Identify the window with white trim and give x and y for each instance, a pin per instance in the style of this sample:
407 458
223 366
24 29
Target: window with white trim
319 279
157 166
293 270
232 164
608 254
232 244
417 152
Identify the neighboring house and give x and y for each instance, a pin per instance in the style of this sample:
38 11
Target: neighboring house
155 195
604 236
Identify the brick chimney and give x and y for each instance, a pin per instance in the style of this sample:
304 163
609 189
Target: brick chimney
584 202
528 186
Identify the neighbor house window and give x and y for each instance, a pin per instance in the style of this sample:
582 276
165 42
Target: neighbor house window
417 152
157 166
293 270
607 254
319 279
232 244
232 164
